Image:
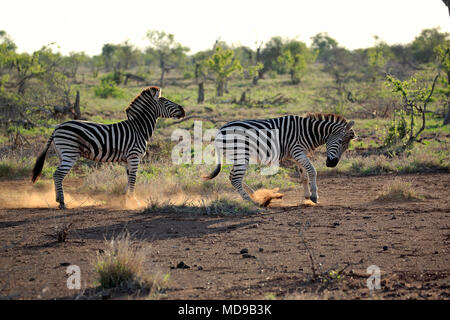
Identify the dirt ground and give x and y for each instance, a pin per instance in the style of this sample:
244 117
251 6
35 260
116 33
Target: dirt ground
350 228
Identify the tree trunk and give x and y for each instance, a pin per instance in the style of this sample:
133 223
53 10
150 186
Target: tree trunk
76 106
260 71
162 64
447 3
220 88
201 93
243 98
447 114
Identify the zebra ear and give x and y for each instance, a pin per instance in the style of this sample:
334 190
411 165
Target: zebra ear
349 125
155 92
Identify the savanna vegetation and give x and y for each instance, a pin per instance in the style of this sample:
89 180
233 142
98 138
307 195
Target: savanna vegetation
398 95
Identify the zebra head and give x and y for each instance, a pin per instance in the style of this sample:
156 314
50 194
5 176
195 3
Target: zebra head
338 142
166 108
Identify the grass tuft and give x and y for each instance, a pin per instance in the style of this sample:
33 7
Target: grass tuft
121 265
398 190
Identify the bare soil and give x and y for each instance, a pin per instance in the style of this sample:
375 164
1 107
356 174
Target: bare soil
350 228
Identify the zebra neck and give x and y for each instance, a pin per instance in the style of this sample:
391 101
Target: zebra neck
321 131
144 125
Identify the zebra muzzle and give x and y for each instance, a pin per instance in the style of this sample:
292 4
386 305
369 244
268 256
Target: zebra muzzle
180 114
331 163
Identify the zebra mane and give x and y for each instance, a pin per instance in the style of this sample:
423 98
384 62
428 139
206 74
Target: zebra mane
327 117
142 98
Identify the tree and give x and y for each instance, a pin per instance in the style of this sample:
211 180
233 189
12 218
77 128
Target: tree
125 56
223 64
415 98
269 55
96 63
424 44
443 61
72 62
377 57
295 58
167 50
200 73
108 50
324 45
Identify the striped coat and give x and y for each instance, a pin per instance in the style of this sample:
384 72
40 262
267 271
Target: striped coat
270 141
124 142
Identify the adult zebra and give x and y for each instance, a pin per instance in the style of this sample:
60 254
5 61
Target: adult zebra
123 142
273 140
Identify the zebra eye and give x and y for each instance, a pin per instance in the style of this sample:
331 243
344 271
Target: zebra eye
340 141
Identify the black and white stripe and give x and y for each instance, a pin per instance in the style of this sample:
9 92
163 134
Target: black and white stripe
271 141
124 142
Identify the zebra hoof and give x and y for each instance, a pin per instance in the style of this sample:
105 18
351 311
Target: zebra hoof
62 206
314 199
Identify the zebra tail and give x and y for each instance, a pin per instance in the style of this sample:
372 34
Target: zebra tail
213 174
40 162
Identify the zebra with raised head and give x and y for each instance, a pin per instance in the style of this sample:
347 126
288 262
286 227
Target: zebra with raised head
270 141
124 142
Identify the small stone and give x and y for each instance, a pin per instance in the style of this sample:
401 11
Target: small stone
248 256
245 250
261 249
385 248
182 265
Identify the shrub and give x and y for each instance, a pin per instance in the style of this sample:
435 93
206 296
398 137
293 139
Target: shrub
108 88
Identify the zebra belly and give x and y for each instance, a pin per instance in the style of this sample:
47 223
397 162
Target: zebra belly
249 146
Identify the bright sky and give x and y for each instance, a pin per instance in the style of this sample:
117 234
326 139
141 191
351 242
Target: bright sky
85 25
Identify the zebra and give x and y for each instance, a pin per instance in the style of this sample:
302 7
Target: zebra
124 142
271 141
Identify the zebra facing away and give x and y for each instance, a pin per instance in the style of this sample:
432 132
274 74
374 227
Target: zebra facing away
270 141
124 142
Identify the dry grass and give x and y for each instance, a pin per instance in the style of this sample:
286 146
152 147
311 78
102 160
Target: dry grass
218 206
398 190
121 266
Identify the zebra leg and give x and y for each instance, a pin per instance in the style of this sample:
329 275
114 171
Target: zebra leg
132 166
125 164
66 163
236 177
305 181
312 174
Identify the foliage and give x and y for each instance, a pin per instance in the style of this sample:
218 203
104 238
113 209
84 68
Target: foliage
223 64
323 44
397 130
377 58
424 44
295 58
169 53
108 88
415 97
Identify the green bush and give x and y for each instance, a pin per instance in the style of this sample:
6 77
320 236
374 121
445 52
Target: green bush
108 88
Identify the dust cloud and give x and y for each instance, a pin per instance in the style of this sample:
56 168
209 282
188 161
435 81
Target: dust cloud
23 194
